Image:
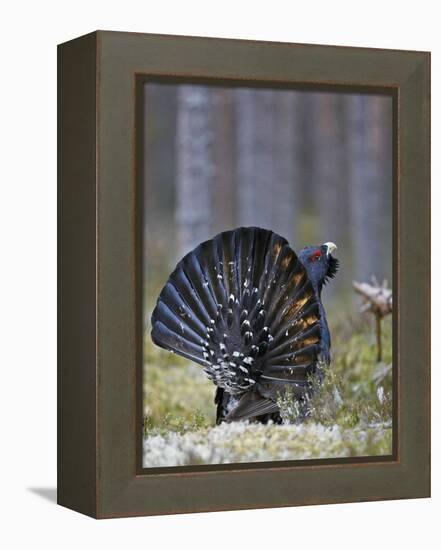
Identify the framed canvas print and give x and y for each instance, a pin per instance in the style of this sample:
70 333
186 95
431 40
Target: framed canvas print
244 274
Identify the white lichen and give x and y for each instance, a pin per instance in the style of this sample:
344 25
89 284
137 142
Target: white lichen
244 442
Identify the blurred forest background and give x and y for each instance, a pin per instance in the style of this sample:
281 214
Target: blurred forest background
313 167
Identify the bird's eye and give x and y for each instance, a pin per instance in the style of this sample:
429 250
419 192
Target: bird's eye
315 256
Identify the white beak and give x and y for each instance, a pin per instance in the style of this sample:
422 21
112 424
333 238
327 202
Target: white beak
331 247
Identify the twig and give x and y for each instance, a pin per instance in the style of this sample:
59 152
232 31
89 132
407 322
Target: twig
378 300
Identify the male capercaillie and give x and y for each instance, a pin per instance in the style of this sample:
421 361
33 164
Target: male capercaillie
248 309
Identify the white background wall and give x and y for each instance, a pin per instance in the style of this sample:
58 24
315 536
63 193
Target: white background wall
29 34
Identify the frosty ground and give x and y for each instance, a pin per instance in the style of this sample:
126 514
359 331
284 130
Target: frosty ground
244 442
350 414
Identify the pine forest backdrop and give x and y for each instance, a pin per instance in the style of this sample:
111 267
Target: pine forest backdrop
311 166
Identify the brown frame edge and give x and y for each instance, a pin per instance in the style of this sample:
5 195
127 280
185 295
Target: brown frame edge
76 370
98 471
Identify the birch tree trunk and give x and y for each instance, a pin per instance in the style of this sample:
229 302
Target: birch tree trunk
195 166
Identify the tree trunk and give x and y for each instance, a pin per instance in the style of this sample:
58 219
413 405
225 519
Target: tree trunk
195 166
329 175
267 163
329 168
255 130
371 184
285 180
160 111
224 195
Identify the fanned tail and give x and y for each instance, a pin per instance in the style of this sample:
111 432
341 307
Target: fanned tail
241 305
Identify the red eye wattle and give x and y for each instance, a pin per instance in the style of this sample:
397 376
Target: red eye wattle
315 256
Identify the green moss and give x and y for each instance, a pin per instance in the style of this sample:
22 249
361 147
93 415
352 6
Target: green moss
355 397
357 388
177 395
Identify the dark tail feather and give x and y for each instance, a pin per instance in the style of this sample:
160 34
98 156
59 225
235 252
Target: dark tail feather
252 405
242 306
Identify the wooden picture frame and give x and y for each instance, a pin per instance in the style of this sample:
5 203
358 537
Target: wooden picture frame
100 332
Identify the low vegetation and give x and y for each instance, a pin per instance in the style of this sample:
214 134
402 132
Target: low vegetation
349 414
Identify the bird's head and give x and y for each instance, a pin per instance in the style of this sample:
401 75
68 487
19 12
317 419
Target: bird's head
319 263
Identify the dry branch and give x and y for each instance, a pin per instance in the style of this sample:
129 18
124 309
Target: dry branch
378 300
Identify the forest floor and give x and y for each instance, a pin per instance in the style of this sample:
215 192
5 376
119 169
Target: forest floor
350 413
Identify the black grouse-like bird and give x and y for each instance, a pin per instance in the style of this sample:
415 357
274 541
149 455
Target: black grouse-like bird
248 309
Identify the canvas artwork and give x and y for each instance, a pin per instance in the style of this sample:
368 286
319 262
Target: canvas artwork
267 274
